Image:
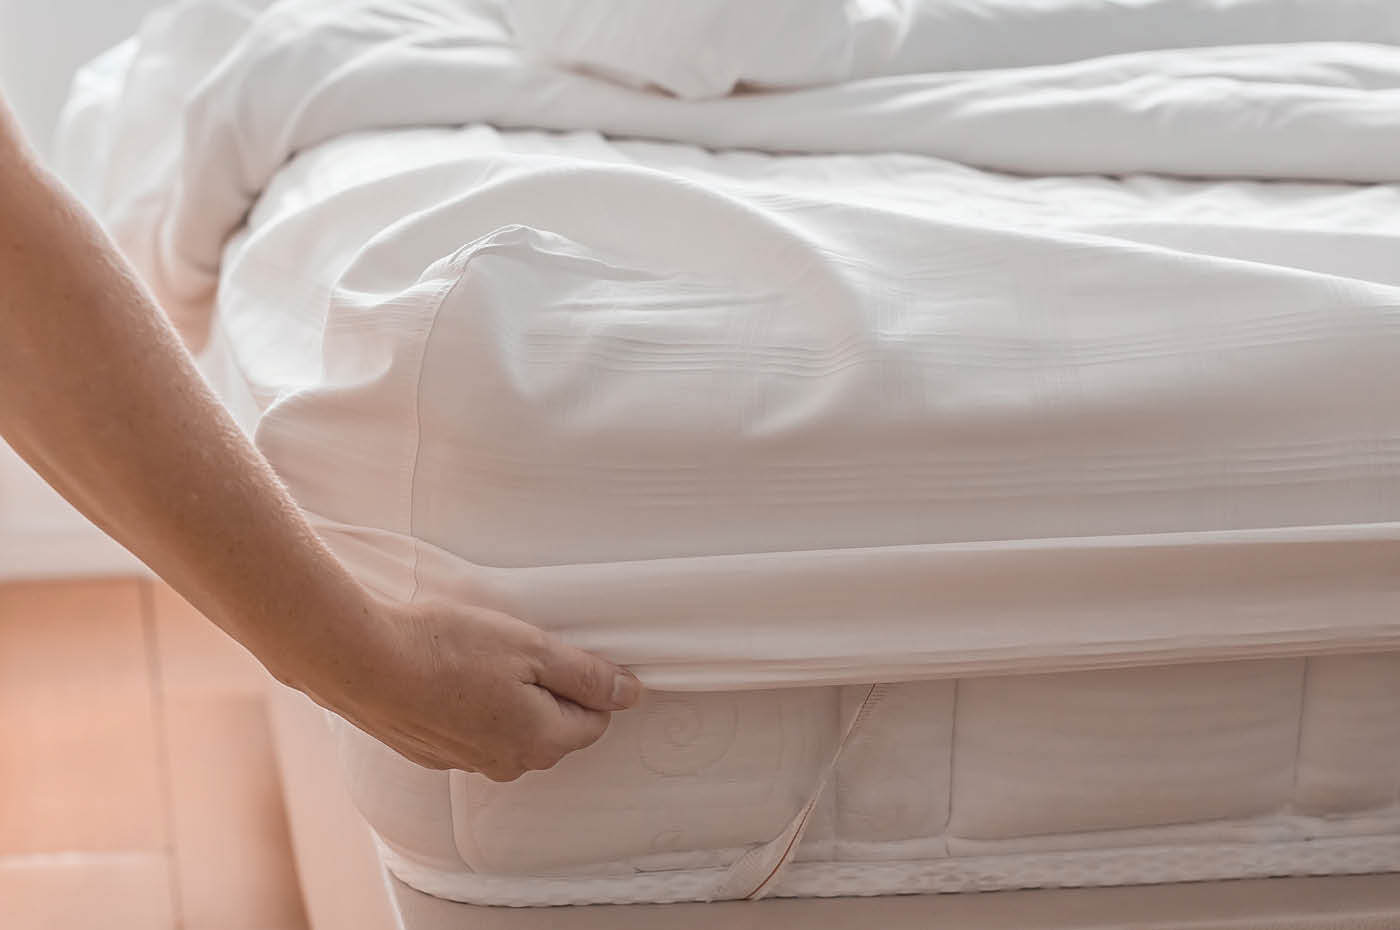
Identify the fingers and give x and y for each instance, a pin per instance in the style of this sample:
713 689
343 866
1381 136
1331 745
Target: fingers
580 727
483 692
561 727
585 679
543 730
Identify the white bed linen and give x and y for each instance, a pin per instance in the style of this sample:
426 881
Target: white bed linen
1117 550
225 93
710 48
777 410
745 419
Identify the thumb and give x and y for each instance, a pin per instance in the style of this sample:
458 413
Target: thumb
585 679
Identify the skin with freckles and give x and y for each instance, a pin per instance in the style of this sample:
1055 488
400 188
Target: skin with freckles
100 397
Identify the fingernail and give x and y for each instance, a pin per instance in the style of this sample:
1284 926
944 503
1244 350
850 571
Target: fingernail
626 689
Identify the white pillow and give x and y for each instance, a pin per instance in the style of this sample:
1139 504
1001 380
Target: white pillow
696 48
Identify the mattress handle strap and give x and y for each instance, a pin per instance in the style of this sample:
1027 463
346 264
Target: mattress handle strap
756 872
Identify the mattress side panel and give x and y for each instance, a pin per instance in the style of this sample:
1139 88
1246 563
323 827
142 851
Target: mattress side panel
893 780
409 807
680 780
1121 749
1349 750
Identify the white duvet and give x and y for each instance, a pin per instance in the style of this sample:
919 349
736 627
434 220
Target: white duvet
1004 337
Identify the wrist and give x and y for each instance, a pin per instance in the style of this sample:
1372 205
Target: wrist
327 647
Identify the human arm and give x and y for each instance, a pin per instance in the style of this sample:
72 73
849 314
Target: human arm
100 397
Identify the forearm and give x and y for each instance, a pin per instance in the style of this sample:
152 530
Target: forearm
97 393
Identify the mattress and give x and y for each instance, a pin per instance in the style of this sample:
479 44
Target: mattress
984 507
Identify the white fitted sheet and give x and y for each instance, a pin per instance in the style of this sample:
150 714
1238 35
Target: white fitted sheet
972 446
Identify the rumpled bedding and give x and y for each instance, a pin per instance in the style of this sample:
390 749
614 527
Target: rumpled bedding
229 91
710 48
1004 337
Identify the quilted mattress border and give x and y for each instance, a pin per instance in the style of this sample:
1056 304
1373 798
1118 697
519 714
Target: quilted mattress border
1099 868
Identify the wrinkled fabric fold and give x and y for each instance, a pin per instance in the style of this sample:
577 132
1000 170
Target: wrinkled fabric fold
919 612
270 83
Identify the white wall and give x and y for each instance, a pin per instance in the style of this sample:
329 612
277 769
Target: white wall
42 42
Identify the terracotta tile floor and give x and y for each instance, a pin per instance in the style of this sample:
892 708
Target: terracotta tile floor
137 783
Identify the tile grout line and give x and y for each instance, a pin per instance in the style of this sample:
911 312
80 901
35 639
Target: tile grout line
20 862
45 860
155 672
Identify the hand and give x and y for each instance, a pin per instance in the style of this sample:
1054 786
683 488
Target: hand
473 689
139 443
